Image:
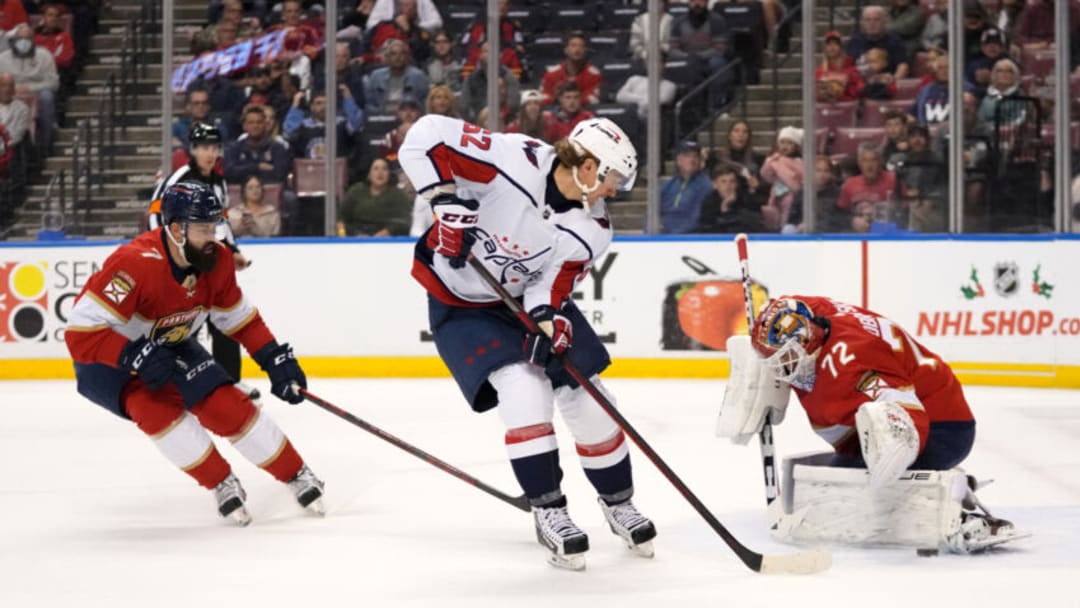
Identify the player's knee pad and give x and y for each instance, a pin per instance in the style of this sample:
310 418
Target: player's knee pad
831 504
599 441
152 411
185 442
227 411
525 395
260 441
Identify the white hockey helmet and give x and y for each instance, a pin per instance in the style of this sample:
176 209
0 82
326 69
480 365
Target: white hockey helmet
604 139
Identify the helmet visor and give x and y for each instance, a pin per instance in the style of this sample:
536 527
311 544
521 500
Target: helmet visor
620 181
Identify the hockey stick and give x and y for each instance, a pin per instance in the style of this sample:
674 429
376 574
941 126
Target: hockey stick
521 502
807 562
765 437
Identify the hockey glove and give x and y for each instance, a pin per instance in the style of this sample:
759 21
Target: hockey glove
556 335
279 362
152 362
453 233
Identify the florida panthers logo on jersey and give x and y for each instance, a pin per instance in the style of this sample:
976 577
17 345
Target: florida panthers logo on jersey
176 327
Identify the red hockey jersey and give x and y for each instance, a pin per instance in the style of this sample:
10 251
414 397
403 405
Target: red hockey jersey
140 292
867 357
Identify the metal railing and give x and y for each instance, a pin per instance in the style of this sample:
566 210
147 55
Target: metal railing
58 181
777 62
712 113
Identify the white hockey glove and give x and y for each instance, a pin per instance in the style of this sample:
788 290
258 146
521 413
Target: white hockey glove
752 393
889 441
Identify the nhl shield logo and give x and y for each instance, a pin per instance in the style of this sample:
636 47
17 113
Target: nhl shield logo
1006 279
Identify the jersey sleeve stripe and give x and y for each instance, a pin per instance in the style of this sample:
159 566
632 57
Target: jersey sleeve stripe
96 299
583 242
450 163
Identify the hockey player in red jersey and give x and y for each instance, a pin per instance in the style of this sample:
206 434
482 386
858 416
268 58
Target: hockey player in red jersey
884 402
130 334
534 216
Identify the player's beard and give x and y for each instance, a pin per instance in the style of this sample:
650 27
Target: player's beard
203 260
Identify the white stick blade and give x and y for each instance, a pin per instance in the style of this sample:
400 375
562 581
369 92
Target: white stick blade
806 562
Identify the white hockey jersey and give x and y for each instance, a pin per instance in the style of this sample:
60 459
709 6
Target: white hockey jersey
538 255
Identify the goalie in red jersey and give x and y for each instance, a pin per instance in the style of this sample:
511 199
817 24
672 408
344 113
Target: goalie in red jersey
893 411
130 334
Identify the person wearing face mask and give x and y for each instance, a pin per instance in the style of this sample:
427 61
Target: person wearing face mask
35 74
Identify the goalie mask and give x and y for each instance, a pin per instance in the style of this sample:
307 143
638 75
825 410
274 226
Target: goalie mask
789 338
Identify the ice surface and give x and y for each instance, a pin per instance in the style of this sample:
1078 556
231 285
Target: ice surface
92 515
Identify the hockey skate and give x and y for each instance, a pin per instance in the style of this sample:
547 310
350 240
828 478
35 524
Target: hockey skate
230 498
629 524
556 531
979 531
308 490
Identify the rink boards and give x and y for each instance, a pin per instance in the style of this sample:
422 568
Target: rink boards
1002 310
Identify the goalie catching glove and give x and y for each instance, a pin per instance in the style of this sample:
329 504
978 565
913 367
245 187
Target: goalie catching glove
453 233
279 362
752 393
557 334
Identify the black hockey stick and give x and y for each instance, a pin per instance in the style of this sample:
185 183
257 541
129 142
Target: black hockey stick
765 437
521 502
807 562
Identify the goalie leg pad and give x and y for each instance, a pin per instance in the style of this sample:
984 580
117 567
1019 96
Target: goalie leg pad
752 393
828 504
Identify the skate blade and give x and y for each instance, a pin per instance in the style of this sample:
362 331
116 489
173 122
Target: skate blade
998 540
575 562
239 516
317 507
644 549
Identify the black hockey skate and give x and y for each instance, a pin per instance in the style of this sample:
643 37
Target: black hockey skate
308 490
230 497
629 524
556 531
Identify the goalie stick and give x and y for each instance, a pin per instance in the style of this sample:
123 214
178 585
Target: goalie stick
765 437
521 502
806 562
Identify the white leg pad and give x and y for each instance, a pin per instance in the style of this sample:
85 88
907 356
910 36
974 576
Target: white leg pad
185 442
261 441
600 442
526 408
829 504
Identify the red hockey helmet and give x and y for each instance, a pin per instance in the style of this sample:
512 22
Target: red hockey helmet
788 337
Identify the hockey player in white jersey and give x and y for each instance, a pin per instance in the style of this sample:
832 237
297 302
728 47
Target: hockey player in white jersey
534 215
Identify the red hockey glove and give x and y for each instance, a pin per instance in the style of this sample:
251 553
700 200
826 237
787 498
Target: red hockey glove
453 233
556 337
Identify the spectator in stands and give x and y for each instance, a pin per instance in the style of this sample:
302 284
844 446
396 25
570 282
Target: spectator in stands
896 134
932 104
408 112
935 33
703 34
1004 15
635 91
879 82
874 184
873 35
386 86
427 13
14 114
35 74
784 170
306 131
862 217
1004 83
1037 23
738 150
829 217
532 119
233 20
906 20
639 33
576 67
256 152
12 13
265 91
474 92
253 215
404 26
50 35
974 24
301 36
505 112
441 101
728 209
567 114
837 78
444 67
376 207
197 109
923 181
512 53
992 49
681 195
